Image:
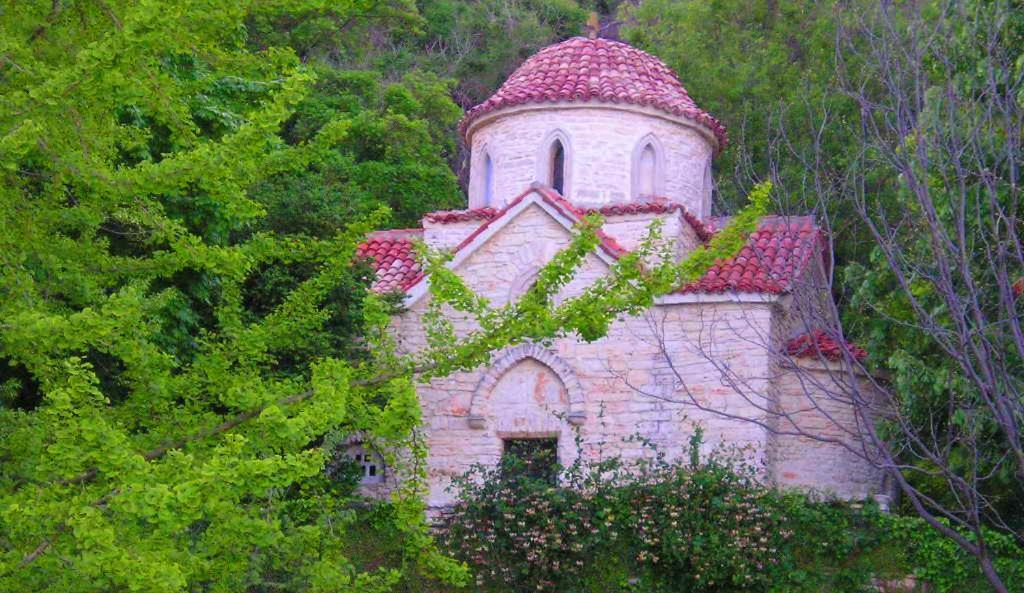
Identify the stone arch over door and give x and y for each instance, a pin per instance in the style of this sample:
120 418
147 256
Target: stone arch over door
513 357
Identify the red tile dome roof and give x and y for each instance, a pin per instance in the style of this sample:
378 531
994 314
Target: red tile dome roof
582 69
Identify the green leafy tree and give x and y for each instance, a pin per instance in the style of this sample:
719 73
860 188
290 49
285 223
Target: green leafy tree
943 216
475 43
900 126
755 67
172 378
396 154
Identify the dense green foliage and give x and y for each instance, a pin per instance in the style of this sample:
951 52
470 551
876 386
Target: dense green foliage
185 337
756 67
172 355
899 126
968 164
702 526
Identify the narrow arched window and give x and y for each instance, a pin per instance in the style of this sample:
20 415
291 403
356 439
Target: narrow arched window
554 162
709 187
557 172
646 171
488 180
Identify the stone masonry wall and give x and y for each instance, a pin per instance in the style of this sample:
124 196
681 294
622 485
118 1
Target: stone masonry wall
723 363
447 235
813 397
617 382
601 140
630 229
609 389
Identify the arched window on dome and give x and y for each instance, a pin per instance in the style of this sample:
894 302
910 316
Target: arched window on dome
488 180
645 172
648 168
557 166
553 162
709 187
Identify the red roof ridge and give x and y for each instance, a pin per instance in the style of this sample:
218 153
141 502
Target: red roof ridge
654 206
553 198
584 69
657 205
549 195
465 215
820 343
717 223
698 226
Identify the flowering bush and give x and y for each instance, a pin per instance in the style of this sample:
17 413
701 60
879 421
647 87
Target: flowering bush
651 524
702 526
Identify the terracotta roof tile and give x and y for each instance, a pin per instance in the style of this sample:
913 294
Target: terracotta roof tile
698 226
819 343
774 256
394 258
582 69
654 207
450 216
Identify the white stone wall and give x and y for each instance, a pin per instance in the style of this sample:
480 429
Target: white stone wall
826 456
619 378
723 356
601 142
630 229
449 234
532 391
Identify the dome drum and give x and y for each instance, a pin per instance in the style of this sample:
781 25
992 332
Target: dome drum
597 120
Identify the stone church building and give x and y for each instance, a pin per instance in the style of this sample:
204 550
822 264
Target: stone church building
596 125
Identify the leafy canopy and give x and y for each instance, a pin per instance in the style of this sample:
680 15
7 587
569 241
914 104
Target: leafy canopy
182 337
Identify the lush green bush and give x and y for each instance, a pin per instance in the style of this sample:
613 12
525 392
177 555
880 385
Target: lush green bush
704 525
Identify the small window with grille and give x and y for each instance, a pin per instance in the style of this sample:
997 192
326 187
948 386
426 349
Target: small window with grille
371 463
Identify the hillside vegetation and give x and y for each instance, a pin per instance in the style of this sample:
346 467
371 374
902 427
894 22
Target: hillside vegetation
186 335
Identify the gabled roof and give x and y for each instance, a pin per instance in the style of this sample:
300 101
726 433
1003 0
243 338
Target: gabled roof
656 206
820 344
774 257
582 69
395 260
549 197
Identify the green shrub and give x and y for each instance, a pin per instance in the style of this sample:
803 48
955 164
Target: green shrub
702 526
